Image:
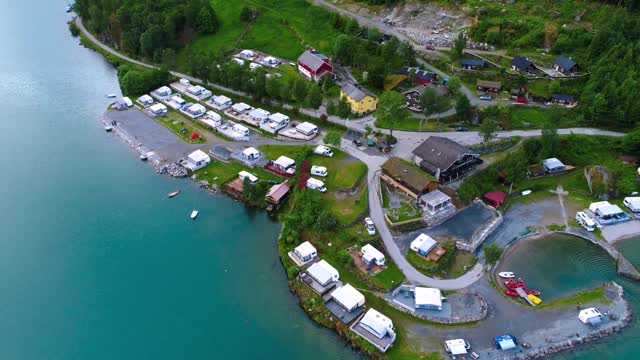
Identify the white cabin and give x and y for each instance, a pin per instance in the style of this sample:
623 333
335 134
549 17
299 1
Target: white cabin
377 324
348 297
427 298
275 122
145 100
185 82
247 175
305 251
240 108
371 255
259 115
323 273
251 154
178 100
220 102
197 160
241 129
423 244
158 109
163 91
307 128
247 54
457 346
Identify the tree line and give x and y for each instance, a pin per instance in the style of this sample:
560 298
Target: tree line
148 28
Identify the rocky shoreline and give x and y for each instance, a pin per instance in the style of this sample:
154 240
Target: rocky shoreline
604 331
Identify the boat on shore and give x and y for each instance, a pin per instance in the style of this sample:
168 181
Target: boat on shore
173 193
108 128
506 275
194 214
111 96
143 157
514 284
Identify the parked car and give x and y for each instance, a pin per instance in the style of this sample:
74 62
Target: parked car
368 224
522 100
357 142
486 98
461 128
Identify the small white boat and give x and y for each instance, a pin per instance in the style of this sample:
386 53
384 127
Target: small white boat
506 275
526 192
108 128
143 157
111 95
194 214
69 7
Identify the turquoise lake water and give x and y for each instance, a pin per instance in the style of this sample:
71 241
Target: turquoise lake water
562 263
95 261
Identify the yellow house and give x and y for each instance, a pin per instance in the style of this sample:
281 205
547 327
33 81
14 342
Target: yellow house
361 100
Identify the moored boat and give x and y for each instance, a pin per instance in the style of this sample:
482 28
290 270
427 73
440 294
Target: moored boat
143 157
511 293
173 193
506 274
108 128
514 284
111 95
532 292
194 214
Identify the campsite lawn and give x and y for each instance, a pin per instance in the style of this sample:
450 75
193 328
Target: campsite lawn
176 122
219 172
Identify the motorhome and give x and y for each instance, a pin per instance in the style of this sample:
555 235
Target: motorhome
316 184
585 221
319 171
240 129
323 150
307 129
633 204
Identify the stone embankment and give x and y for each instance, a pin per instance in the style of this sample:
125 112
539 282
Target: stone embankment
172 169
480 235
623 266
617 324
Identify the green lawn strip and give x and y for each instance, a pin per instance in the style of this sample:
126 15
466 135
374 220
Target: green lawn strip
227 171
415 124
421 263
390 277
347 209
581 298
176 122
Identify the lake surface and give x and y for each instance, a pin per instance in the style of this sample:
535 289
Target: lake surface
95 261
561 263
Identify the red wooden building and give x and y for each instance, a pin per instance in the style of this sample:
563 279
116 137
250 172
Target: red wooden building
314 66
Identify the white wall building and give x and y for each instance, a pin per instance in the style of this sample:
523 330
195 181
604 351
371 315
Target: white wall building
348 297
306 252
275 123
371 255
427 298
197 160
323 273
377 324
251 154
423 244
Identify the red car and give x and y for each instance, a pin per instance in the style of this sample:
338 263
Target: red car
522 100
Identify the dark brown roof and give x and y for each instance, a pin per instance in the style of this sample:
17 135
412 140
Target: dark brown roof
489 84
406 174
441 152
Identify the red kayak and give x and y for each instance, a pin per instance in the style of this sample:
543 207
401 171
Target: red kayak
513 284
532 292
173 193
511 293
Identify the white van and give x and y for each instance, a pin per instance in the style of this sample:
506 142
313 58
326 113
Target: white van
323 150
247 175
585 221
316 184
319 170
243 130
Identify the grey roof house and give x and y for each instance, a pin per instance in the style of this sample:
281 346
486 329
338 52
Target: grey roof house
565 65
445 159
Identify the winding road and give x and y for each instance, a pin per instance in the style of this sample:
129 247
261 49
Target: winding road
407 141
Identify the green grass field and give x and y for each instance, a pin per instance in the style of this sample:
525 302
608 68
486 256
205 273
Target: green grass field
219 172
284 28
176 122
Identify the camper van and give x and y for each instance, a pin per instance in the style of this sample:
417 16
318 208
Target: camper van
316 184
319 170
185 82
585 221
243 130
323 150
247 175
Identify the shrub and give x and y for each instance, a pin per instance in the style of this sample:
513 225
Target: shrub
332 138
492 253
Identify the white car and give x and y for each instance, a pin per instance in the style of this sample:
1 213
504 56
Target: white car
323 150
368 224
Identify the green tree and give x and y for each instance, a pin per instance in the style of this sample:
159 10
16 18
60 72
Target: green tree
391 109
344 109
457 51
300 89
331 107
550 140
169 58
463 107
325 221
454 83
285 92
332 137
207 21
314 97
488 130
492 253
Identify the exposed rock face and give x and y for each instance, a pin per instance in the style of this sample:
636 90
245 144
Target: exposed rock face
172 169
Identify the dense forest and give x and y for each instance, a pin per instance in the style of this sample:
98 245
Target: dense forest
148 28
